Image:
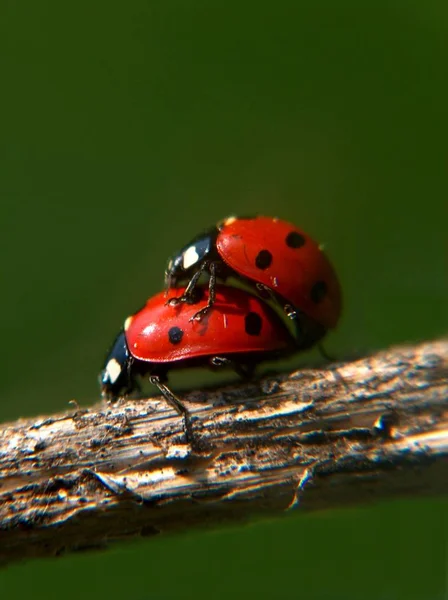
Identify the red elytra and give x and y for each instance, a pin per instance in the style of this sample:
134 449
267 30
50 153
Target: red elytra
287 260
239 323
240 332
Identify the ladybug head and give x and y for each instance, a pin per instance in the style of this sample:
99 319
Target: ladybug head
116 378
174 271
191 258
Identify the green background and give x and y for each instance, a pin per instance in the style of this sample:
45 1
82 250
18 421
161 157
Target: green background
128 127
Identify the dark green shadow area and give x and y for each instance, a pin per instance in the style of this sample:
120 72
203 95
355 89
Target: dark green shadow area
320 556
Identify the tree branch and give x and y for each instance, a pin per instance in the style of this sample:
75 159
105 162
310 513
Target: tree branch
350 433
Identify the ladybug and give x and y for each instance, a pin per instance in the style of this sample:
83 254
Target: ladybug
276 257
241 331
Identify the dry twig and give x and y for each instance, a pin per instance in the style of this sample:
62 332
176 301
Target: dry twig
349 433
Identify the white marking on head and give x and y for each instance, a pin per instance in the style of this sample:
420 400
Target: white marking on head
127 323
170 265
190 257
230 220
113 369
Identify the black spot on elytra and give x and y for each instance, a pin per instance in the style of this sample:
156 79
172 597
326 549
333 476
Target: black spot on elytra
175 335
318 291
263 260
294 240
253 323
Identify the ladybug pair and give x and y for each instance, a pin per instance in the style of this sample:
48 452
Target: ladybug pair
225 326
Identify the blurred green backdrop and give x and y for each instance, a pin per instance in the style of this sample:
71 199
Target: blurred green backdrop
126 128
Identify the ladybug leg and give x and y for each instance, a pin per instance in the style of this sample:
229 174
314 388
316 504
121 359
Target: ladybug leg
220 361
175 403
169 282
189 290
294 315
307 332
264 291
211 294
188 294
291 312
244 370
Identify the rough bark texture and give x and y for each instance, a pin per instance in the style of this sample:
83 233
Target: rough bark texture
347 434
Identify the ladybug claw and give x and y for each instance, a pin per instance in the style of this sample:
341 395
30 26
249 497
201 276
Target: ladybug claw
264 291
173 301
200 314
290 312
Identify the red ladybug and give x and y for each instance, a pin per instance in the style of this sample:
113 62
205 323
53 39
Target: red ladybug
275 256
241 331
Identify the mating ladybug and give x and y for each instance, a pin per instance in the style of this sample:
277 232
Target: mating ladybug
277 257
241 331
